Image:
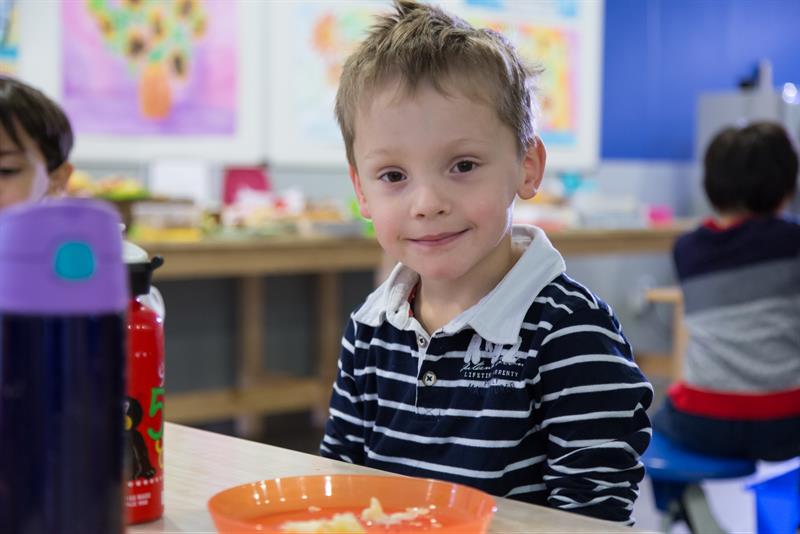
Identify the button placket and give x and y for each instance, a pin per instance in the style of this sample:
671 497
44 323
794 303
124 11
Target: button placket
427 378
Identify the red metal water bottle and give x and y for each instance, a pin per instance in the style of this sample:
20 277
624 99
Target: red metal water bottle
144 405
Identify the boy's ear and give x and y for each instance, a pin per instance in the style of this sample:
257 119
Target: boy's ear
362 200
59 178
533 162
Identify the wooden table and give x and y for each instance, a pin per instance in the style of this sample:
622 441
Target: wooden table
250 260
198 464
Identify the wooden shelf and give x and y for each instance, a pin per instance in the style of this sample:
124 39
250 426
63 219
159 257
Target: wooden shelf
258 257
273 395
215 257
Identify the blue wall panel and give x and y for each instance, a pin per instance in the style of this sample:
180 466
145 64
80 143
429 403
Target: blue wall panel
660 54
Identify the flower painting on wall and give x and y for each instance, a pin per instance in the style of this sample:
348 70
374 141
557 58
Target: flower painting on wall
150 67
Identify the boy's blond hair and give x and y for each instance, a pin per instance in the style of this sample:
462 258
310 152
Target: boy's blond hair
418 43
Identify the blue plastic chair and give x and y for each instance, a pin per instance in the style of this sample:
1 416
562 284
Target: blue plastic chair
778 503
676 474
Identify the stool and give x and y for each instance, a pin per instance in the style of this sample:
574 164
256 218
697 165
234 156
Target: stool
778 503
676 474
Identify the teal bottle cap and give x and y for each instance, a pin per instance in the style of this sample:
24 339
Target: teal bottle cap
74 260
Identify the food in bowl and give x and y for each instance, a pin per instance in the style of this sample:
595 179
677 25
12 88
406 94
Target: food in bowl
347 522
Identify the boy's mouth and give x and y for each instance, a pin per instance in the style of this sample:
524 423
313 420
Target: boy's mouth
435 240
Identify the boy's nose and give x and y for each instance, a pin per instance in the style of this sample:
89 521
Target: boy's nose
430 202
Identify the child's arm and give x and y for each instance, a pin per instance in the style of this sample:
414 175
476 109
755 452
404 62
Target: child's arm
594 402
344 429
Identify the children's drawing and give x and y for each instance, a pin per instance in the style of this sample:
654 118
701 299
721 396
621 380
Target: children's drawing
312 39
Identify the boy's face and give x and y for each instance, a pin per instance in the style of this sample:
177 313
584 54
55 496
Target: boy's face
23 171
438 176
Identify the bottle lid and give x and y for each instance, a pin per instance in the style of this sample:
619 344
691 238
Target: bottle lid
140 268
140 275
60 257
133 253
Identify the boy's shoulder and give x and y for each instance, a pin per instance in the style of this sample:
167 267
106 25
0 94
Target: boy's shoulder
569 295
752 228
565 302
709 248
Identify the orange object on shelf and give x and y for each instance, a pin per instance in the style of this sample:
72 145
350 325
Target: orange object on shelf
266 506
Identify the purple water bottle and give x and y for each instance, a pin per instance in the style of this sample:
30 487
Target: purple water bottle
62 369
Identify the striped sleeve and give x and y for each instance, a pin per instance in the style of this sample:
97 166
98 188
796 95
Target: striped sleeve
594 402
344 430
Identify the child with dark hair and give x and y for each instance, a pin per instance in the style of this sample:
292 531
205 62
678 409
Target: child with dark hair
740 277
35 141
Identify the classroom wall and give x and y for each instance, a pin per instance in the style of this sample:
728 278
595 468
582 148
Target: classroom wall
659 55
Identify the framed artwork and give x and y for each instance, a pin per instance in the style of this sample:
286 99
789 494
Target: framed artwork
564 37
149 67
147 79
310 40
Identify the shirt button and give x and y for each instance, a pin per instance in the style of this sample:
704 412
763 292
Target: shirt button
429 378
421 341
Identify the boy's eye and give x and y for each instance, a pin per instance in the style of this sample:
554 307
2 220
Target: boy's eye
392 177
6 172
464 166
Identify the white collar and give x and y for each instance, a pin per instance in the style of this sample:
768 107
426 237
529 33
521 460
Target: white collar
498 316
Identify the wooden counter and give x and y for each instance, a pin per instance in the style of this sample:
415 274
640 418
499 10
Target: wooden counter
302 255
199 464
249 260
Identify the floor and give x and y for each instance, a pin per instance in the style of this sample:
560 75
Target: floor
731 502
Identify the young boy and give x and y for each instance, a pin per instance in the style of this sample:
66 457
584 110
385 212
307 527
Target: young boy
740 276
478 360
35 142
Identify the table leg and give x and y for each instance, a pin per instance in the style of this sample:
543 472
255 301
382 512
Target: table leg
329 333
678 340
250 338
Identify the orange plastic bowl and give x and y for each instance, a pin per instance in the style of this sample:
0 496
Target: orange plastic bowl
266 505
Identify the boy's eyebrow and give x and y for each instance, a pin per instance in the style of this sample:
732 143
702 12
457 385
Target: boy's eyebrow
9 151
378 152
466 140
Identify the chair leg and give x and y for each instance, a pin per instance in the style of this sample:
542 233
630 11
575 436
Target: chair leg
674 513
698 513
